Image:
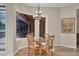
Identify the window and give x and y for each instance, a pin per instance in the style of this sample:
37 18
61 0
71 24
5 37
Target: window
2 23
21 27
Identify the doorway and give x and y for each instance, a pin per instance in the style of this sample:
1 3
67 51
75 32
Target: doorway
77 28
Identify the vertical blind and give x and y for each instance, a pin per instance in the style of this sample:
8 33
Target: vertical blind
2 23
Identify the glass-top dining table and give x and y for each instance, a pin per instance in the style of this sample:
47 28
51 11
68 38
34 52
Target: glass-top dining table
41 46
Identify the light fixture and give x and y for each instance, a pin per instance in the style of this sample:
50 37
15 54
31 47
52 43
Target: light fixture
38 13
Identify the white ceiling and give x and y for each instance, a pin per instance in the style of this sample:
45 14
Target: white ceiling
50 4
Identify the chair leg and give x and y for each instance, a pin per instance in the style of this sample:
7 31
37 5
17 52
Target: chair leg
52 53
29 51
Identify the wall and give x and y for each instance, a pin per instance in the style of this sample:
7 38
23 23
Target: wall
78 21
21 43
53 16
11 29
69 39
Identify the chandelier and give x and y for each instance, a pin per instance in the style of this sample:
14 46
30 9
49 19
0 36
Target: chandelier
38 13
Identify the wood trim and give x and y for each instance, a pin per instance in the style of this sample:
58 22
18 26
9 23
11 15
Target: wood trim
42 27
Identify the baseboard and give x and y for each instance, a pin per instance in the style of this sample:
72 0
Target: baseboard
56 45
10 54
68 46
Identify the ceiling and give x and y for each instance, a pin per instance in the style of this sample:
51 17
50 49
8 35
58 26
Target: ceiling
50 4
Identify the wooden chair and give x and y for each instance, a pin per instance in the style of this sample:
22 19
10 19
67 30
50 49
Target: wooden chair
50 44
30 42
42 46
39 46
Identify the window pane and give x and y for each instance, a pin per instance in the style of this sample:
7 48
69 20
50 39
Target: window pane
2 24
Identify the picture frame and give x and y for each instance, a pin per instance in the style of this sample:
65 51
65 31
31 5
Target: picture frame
68 25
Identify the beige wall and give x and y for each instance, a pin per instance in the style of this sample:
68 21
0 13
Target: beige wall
69 39
11 29
54 25
54 22
21 43
53 16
